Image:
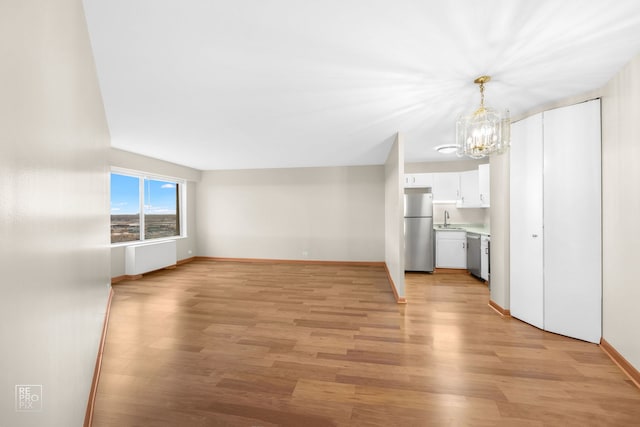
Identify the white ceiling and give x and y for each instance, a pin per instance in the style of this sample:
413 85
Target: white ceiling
238 84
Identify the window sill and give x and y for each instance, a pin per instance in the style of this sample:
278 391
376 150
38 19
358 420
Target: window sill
141 242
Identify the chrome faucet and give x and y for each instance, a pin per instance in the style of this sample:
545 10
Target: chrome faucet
446 217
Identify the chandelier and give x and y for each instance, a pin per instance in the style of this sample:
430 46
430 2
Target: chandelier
483 132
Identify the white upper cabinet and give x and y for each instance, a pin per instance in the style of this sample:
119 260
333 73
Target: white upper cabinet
418 180
474 188
446 187
484 185
469 190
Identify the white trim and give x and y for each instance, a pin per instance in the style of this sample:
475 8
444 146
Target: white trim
141 174
142 242
141 215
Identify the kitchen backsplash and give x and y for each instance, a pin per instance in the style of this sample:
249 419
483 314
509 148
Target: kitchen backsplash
460 216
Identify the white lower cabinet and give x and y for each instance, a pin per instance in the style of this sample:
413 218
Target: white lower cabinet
451 249
484 257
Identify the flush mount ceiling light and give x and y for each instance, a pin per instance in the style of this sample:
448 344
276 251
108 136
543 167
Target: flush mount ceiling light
446 148
483 132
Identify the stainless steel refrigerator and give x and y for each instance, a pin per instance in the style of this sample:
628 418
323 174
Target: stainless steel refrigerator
418 230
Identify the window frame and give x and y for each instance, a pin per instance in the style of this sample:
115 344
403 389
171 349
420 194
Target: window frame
181 209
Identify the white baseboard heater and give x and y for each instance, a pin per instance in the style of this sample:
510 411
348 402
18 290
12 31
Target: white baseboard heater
147 257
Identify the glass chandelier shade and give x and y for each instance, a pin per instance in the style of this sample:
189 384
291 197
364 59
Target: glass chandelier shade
485 131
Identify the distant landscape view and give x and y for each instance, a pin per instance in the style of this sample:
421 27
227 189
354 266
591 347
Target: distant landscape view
158 200
126 228
156 226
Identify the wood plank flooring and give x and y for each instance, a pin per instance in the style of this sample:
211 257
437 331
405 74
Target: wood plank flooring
252 344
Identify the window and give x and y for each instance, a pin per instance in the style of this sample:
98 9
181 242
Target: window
158 199
161 216
125 208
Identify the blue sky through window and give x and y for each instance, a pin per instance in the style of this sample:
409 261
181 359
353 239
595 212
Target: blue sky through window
125 198
159 197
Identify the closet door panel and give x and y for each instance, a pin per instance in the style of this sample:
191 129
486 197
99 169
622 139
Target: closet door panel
526 271
573 221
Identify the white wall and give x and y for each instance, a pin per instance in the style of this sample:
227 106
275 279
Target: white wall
445 166
54 213
621 210
500 207
394 214
186 247
332 213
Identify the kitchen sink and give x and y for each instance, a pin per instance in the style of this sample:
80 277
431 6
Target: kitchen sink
448 227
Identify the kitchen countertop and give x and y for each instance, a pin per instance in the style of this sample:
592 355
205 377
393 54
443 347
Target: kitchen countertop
471 228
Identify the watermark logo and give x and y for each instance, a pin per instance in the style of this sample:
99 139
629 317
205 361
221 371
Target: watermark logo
29 398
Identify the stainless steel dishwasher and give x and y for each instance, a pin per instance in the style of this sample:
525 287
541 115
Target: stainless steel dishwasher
473 254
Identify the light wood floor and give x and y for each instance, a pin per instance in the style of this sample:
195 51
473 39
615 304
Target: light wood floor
244 344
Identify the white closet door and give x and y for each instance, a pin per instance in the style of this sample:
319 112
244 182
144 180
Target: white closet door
573 221
526 277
